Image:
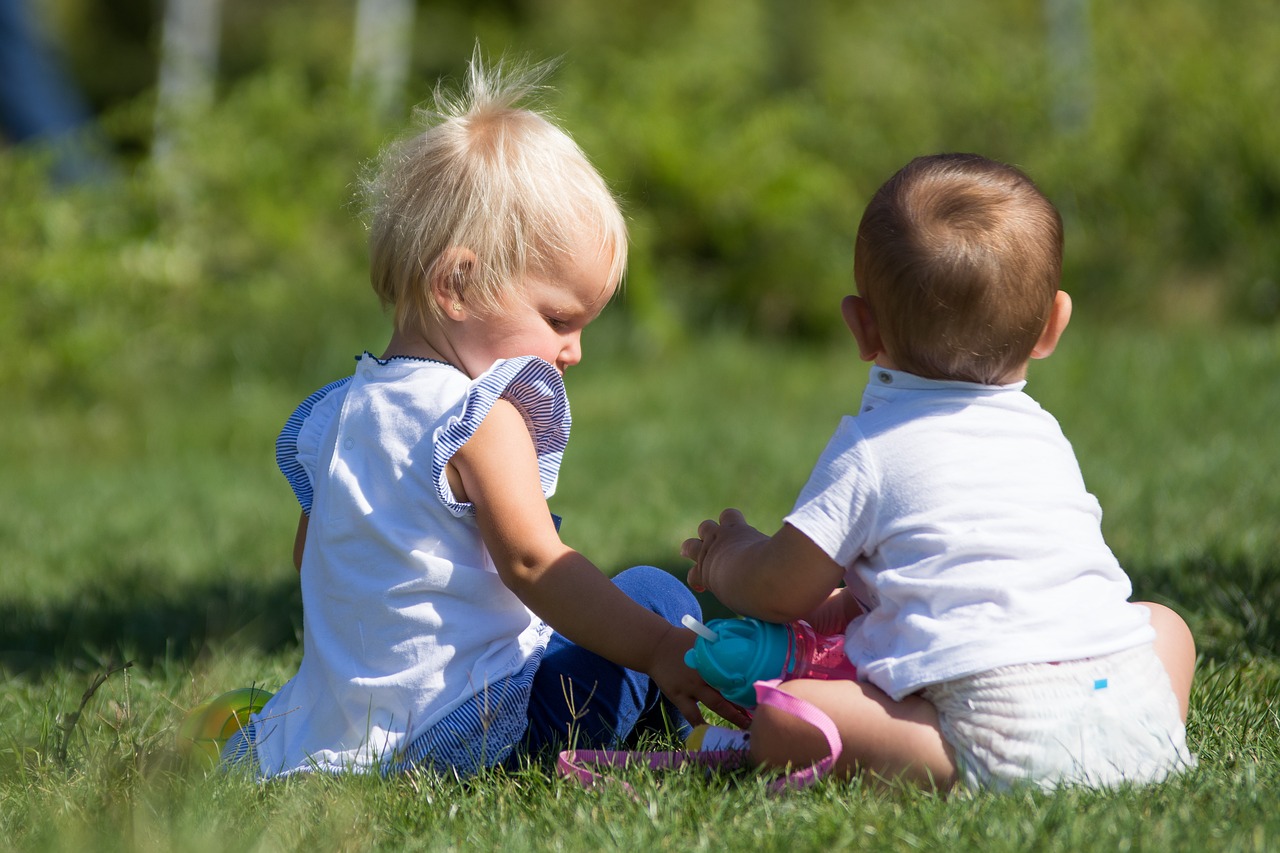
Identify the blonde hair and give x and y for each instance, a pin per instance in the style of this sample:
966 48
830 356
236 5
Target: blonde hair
489 177
960 259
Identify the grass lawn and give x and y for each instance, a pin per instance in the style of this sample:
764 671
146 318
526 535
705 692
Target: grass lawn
157 531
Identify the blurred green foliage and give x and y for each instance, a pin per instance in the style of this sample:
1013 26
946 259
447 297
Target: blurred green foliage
743 135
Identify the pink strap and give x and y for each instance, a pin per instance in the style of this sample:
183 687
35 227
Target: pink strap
767 693
579 764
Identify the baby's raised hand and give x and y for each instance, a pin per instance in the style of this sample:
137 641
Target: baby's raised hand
715 540
694 549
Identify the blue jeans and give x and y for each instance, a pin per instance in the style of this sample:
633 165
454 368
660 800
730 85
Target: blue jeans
586 701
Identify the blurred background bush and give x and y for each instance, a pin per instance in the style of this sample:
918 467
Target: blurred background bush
744 136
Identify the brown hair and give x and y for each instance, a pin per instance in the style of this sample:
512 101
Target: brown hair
959 258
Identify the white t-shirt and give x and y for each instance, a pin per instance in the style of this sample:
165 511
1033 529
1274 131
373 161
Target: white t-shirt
960 515
405 617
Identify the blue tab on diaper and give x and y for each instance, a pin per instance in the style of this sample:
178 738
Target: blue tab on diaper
1099 684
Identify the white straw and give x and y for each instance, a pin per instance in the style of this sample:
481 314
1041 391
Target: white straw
698 628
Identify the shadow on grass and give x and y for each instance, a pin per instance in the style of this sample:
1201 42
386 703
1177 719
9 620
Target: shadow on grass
1230 605
147 621
134 619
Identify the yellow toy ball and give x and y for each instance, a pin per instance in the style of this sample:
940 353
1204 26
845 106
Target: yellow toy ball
209 725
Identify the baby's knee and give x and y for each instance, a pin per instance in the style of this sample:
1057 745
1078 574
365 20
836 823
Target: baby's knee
1171 629
1176 648
779 739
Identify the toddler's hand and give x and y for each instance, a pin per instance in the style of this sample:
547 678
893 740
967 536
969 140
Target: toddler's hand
683 686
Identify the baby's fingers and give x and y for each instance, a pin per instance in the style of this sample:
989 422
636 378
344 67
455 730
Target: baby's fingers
708 528
732 516
695 580
695 549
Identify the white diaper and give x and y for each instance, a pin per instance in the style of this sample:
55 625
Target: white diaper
1099 722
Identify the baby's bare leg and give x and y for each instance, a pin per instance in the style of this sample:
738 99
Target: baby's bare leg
891 740
1176 649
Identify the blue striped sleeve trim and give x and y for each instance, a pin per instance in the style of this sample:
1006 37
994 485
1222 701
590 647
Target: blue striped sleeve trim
537 391
287 445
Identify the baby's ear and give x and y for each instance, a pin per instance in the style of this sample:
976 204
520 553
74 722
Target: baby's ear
1059 317
448 275
861 320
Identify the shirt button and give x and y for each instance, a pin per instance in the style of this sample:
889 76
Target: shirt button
886 378
349 443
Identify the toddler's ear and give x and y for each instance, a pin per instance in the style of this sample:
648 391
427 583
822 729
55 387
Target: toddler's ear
448 276
861 320
1059 317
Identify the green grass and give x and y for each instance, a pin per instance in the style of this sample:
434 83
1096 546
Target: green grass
155 333
152 527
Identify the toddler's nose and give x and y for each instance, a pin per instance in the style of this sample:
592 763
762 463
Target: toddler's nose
571 352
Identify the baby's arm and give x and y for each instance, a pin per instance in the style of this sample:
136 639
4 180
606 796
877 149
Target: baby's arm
498 473
777 578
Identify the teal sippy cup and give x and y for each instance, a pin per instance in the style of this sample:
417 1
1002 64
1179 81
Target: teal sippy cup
733 654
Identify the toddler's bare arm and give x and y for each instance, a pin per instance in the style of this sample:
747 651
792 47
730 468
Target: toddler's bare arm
498 468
